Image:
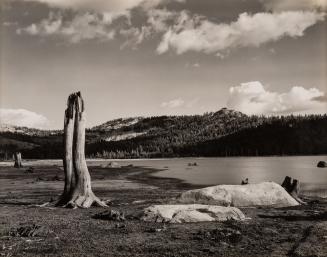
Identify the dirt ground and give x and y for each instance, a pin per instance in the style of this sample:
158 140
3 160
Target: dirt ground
28 229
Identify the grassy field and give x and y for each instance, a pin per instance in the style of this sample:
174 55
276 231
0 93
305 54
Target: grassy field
298 231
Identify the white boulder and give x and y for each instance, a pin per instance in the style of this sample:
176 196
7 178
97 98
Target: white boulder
191 213
262 194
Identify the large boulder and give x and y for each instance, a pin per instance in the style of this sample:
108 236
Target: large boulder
191 213
262 194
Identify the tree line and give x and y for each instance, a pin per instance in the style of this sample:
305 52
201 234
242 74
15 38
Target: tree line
223 133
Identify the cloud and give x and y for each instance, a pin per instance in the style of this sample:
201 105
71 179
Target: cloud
103 5
282 5
134 36
180 32
253 98
179 102
86 25
196 33
23 118
175 103
159 19
322 99
83 26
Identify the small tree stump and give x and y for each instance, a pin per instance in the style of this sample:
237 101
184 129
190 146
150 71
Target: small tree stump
293 188
18 160
287 184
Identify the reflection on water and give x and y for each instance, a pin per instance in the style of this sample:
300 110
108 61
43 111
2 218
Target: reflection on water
213 171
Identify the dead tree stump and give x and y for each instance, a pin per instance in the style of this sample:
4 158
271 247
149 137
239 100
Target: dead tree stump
287 184
293 188
77 190
18 160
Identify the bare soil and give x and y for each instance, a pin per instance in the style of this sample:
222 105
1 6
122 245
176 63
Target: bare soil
27 228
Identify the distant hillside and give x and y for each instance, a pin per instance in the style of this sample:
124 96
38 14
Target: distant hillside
222 133
276 136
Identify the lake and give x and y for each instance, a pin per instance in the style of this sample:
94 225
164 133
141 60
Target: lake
213 171
231 170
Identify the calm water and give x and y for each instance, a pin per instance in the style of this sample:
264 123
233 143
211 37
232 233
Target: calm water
213 171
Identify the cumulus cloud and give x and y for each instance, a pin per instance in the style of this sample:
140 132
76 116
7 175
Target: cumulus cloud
175 103
282 5
253 98
196 33
23 118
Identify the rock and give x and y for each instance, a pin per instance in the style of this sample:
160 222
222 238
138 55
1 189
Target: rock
191 213
110 215
322 164
262 194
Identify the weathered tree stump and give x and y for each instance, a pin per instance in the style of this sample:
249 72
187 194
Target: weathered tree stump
293 188
18 160
77 190
287 183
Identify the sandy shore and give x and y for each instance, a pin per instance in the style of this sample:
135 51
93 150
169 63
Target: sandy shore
298 231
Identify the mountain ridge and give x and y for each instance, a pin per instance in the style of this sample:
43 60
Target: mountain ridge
210 134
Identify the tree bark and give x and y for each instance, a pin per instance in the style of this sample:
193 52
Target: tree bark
77 190
18 160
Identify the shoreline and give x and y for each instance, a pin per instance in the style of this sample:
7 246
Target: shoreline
5 162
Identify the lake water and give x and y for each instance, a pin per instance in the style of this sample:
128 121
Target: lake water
214 171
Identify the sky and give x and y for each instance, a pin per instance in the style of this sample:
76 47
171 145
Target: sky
160 57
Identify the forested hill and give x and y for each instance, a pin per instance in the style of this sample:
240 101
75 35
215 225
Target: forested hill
222 133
